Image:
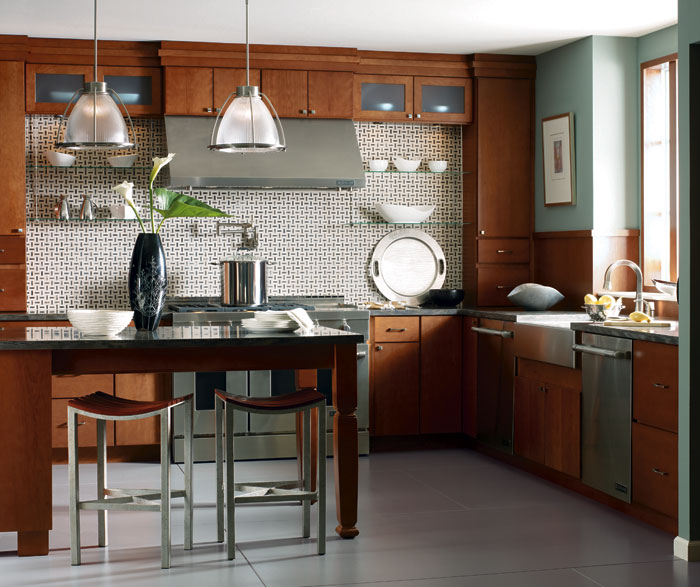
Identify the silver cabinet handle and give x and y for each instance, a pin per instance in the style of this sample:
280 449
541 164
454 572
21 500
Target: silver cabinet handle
2 250
2 290
409 115
65 424
396 330
659 472
492 331
378 347
661 385
501 286
417 115
361 354
543 389
504 251
591 350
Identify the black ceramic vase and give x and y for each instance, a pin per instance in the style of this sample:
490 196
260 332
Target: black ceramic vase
147 281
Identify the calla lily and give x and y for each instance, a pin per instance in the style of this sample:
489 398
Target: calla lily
158 164
126 190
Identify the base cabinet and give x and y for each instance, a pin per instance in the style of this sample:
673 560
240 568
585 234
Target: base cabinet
655 469
143 387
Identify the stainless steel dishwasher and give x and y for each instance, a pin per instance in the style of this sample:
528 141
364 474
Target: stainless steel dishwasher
606 426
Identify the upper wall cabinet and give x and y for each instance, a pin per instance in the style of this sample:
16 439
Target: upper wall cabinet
415 99
202 91
50 87
309 94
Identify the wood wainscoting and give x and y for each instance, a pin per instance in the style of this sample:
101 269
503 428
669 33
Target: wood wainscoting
574 262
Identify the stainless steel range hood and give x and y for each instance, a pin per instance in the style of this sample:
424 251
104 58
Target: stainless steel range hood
320 154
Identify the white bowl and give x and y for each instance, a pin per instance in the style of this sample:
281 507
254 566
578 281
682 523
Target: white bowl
406 164
378 164
404 214
100 322
437 166
59 159
122 160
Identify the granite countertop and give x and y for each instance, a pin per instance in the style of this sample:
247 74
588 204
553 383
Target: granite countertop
663 335
68 338
32 317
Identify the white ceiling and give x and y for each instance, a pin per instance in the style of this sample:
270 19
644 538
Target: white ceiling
451 26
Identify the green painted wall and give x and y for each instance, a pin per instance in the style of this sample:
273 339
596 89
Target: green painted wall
688 402
657 44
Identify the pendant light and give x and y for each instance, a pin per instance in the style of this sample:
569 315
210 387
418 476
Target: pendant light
247 126
95 121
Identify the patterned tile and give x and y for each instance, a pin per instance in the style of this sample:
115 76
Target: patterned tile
307 234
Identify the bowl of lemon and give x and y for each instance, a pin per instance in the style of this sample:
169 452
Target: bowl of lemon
602 308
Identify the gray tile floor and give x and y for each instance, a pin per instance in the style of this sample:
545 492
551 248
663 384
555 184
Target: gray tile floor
443 518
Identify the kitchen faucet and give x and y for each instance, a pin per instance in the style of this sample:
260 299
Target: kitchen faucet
638 300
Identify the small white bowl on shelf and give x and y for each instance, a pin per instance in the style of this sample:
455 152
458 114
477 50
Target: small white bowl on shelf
406 164
437 166
100 322
378 164
397 214
59 159
122 160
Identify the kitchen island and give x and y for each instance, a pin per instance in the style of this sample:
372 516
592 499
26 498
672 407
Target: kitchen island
30 356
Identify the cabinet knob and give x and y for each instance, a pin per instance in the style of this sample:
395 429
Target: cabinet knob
20 230
303 111
482 232
409 115
417 115
208 109
2 250
2 290
543 389
378 347
217 109
313 112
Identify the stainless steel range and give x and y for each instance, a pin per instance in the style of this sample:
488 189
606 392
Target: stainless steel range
259 436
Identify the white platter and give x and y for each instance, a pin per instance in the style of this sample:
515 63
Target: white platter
406 264
259 328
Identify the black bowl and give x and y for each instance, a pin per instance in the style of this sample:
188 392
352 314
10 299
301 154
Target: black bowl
446 298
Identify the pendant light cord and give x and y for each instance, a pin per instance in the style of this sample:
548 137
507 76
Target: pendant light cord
247 49
94 28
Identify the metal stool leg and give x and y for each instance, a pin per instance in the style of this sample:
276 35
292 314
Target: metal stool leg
218 441
165 489
230 495
188 476
306 460
74 481
101 480
321 481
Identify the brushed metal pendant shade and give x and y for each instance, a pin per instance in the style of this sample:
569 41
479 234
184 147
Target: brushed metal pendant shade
244 123
95 120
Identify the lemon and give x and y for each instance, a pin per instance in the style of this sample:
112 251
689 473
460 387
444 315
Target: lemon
590 299
639 317
609 301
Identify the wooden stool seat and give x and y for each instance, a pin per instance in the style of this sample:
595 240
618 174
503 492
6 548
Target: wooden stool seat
107 406
290 402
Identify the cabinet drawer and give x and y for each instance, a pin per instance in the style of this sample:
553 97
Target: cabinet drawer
495 283
656 384
655 469
12 250
502 250
79 385
13 290
390 329
87 427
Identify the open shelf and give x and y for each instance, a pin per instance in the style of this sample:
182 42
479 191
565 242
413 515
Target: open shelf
354 223
421 172
54 219
109 167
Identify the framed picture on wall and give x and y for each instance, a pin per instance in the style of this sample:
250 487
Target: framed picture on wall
559 160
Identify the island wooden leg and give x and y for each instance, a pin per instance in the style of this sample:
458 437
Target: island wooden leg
345 444
25 456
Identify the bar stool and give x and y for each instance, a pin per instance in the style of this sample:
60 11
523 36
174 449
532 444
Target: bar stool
302 401
103 407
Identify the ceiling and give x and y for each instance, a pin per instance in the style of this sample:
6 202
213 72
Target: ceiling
527 27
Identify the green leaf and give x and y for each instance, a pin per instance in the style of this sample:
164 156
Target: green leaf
177 205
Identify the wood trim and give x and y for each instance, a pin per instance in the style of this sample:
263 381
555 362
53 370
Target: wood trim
13 47
586 233
658 61
81 52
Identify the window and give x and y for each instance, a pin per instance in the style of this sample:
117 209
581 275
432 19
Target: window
659 169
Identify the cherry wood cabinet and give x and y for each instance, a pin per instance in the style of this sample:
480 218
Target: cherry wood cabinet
441 374
144 387
202 91
495 282
655 382
529 419
309 94
397 329
395 390
407 98
469 379
503 250
140 88
655 469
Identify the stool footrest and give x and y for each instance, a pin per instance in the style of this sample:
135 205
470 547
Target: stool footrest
271 494
118 503
293 484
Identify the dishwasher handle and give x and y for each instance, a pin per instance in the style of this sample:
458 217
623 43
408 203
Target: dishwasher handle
592 350
493 332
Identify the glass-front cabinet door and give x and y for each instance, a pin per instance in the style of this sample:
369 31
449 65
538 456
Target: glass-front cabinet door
383 97
138 87
443 99
50 87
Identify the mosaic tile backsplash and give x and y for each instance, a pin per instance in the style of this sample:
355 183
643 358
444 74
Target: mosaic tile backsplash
306 234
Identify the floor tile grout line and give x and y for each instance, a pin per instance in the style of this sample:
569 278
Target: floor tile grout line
462 506
587 577
252 568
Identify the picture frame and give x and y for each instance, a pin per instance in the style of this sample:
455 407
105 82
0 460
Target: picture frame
559 161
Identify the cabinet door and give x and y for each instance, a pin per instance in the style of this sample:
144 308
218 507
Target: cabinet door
12 149
504 166
383 97
50 87
68 386
529 419
87 427
395 389
189 91
138 87
330 94
655 469
563 429
469 369
441 374
226 80
287 89
443 99
144 387
13 289
495 283
655 399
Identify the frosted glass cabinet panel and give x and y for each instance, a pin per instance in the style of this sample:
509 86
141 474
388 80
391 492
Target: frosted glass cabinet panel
383 97
443 99
138 87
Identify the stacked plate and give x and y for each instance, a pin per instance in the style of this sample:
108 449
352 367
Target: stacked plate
270 321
